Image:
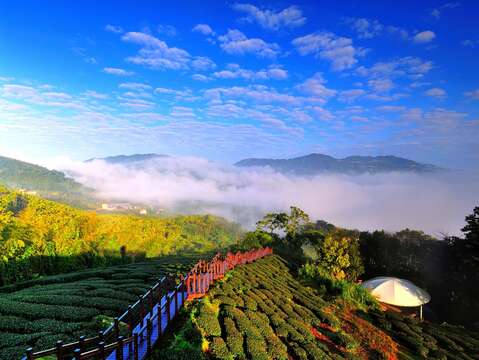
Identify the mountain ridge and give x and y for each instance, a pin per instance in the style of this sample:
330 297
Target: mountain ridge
51 184
316 163
128 159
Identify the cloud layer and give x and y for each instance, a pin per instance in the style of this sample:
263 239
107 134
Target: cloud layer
390 201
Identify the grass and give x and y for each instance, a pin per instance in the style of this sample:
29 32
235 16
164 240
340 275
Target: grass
65 307
262 312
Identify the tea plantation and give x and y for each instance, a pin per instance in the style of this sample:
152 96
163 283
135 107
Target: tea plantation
63 307
260 311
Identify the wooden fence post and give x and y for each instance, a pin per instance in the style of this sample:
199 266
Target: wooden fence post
149 331
101 336
129 317
176 301
119 348
182 287
142 309
77 354
59 349
136 346
101 348
81 343
116 325
159 318
167 308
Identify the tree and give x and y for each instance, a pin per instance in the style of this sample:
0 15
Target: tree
290 224
256 239
340 256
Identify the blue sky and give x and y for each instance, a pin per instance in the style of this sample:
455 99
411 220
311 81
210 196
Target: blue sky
229 80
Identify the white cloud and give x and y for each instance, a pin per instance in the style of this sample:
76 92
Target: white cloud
167 30
381 85
290 17
134 86
365 28
117 71
114 29
259 94
323 114
424 37
474 94
470 43
396 30
409 66
436 13
202 63
182 112
339 51
200 77
234 71
315 86
384 201
204 29
95 94
350 95
179 94
236 43
436 92
138 104
155 53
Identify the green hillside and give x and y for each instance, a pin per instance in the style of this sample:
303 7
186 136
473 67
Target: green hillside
41 237
65 307
51 184
261 311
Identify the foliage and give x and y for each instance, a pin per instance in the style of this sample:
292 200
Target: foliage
346 290
64 307
51 184
291 320
446 269
40 237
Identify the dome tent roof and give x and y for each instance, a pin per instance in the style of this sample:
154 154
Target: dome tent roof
399 292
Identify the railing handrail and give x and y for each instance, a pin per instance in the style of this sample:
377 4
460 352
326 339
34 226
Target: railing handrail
196 283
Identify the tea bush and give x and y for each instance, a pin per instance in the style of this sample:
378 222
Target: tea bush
264 312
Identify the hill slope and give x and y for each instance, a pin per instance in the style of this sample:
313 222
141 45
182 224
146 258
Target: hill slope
261 311
129 159
42 237
51 184
318 163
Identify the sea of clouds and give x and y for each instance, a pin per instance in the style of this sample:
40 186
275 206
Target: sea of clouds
436 204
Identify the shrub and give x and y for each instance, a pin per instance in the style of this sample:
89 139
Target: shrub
234 339
207 320
37 311
219 350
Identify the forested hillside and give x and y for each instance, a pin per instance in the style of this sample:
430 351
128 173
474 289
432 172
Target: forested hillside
42 237
50 184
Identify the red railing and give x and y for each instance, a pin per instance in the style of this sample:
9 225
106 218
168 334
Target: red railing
204 274
148 318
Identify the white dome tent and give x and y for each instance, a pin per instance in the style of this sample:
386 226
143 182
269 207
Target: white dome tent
398 292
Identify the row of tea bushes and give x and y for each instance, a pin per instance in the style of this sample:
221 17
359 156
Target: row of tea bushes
65 307
428 340
261 312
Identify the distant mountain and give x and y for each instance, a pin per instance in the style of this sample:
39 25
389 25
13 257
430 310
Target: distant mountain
318 163
51 184
129 159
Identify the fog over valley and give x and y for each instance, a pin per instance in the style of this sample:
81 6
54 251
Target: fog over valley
435 203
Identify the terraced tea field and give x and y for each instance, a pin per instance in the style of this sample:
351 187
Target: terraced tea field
262 312
64 307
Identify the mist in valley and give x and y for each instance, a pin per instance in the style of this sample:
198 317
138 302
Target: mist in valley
435 203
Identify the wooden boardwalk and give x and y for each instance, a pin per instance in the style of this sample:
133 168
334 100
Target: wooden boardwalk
148 318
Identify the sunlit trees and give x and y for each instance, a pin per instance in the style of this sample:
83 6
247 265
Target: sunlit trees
41 237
